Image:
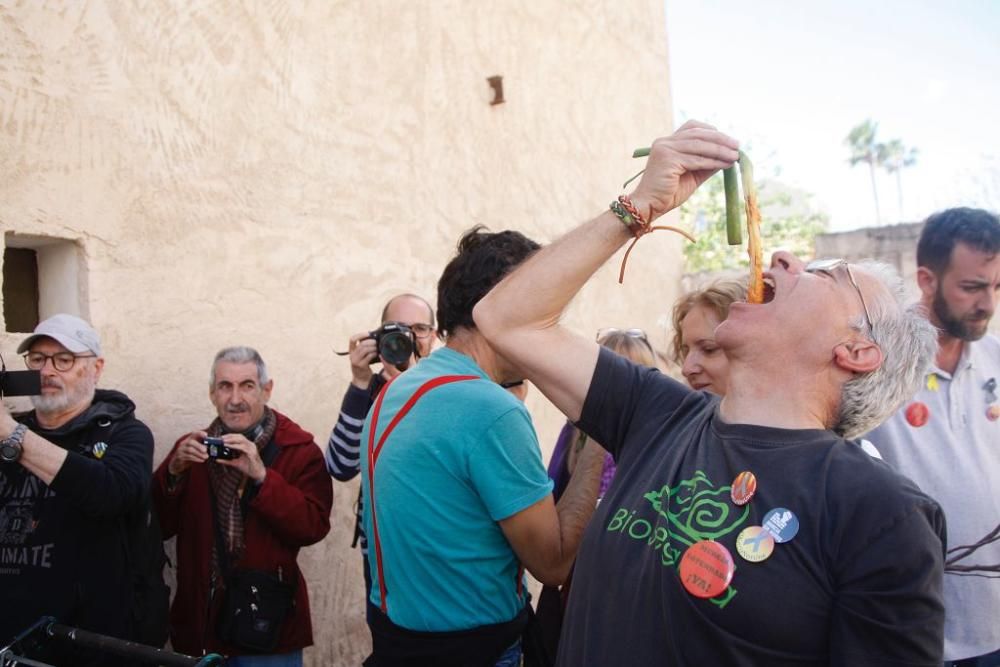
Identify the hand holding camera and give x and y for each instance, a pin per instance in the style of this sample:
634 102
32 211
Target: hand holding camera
363 353
190 451
393 342
216 449
233 450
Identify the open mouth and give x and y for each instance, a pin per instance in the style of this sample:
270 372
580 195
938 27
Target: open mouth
768 289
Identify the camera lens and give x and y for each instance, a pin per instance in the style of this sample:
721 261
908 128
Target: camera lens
396 347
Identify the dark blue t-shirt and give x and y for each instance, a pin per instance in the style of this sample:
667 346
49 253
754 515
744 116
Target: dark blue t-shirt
860 583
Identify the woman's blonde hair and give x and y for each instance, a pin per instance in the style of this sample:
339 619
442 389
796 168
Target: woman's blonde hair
633 348
718 297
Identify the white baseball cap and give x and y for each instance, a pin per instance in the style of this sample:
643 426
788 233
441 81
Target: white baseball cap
70 331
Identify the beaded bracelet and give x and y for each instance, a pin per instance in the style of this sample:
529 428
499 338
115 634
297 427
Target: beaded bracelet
628 213
623 215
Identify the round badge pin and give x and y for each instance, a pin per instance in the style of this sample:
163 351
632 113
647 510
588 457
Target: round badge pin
993 413
917 414
744 486
706 569
754 544
781 523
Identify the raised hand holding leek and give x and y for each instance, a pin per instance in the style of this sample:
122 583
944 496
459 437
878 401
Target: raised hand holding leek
733 227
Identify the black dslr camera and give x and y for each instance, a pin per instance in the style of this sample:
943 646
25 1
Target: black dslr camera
20 383
217 449
395 342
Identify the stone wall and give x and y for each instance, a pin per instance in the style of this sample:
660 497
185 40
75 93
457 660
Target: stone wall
892 244
268 173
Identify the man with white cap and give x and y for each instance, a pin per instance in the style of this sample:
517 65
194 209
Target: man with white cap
73 472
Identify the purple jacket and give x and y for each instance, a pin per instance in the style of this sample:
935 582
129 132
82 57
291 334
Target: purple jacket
558 471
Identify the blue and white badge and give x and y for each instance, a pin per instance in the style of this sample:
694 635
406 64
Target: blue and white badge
782 524
99 448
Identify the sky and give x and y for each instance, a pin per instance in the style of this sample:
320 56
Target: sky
790 79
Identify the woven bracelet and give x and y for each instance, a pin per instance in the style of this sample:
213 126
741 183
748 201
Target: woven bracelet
633 211
623 215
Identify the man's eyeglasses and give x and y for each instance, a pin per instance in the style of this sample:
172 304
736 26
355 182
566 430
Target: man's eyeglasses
828 266
61 361
421 330
631 333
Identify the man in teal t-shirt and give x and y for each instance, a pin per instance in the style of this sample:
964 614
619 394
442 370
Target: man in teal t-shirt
457 498
465 458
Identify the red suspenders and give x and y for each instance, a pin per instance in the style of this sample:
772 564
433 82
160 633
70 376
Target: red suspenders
374 451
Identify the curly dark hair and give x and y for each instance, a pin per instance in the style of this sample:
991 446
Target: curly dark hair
977 228
483 259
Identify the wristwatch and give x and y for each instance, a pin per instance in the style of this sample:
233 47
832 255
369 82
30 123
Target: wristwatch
10 447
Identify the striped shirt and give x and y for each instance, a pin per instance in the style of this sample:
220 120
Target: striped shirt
343 449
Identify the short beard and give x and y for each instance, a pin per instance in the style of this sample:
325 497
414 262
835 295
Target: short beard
83 394
953 326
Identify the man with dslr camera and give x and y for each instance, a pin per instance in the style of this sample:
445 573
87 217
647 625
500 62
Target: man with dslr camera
74 471
243 496
405 335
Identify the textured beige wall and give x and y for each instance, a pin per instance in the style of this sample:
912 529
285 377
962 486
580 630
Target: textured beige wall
267 173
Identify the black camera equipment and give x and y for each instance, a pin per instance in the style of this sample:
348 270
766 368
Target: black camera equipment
395 342
217 449
47 632
19 383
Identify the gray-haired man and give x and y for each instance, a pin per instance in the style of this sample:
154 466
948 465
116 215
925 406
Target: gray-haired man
75 468
740 531
244 503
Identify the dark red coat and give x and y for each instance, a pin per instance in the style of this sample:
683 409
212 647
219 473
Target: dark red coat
291 510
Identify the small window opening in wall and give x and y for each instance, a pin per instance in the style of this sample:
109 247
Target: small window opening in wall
42 276
20 289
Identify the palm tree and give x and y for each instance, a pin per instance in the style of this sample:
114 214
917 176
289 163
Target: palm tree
895 157
864 148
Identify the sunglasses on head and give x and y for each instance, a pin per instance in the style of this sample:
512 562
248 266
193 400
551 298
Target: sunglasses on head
631 333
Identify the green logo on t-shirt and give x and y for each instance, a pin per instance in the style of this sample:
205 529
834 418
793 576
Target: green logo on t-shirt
692 510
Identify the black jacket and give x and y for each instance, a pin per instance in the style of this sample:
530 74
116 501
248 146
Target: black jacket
63 546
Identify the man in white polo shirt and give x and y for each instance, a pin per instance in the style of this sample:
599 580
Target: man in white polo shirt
947 438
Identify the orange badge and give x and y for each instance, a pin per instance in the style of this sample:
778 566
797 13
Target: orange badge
744 486
706 569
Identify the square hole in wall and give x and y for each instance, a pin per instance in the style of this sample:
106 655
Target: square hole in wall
42 276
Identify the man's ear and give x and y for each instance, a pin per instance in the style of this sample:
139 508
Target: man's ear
927 281
268 386
858 356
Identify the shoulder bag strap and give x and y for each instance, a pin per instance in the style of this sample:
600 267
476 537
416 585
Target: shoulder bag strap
267 456
375 449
